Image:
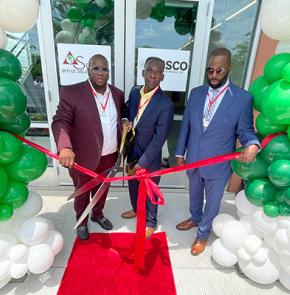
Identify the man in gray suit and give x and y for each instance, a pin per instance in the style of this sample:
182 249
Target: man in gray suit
216 115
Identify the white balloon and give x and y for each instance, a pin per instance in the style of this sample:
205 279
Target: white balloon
18 16
269 240
252 244
283 47
54 241
243 205
285 263
284 222
34 231
285 280
275 19
40 258
31 207
18 270
263 274
67 25
100 3
263 223
6 243
244 255
219 221
64 37
260 258
19 253
222 255
282 237
247 221
5 226
233 234
4 269
3 39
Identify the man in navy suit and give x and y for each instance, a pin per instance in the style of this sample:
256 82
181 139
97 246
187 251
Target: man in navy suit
215 116
151 112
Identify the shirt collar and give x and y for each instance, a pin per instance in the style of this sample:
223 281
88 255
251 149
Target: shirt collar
106 91
148 93
220 88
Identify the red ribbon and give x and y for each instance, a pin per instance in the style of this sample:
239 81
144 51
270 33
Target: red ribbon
147 187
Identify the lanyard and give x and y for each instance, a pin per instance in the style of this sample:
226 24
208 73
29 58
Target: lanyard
145 102
104 106
211 102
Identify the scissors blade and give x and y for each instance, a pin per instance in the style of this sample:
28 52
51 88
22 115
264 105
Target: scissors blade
103 187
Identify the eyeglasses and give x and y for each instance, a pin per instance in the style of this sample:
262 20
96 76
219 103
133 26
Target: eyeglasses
151 72
97 70
219 71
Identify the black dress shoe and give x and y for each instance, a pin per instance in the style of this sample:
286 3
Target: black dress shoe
104 222
82 232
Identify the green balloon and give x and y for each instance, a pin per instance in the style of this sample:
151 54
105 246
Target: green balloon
30 165
273 69
18 124
12 99
169 11
74 14
272 209
284 209
276 105
10 66
260 191
6 212
283 196
278 148
265 126
279 173
10 147
255 169
182 26
15 195
3 181
258 89
286 73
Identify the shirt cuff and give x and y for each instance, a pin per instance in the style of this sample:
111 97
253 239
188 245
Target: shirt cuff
256 142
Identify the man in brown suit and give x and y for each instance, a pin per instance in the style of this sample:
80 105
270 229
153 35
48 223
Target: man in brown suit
87 130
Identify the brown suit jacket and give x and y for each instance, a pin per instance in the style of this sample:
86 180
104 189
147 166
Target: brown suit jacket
77 123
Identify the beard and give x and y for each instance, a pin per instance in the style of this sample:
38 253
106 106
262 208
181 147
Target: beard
220 84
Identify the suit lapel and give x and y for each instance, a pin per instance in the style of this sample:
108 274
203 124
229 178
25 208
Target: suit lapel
226 102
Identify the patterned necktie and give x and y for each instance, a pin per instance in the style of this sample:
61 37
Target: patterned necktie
211 103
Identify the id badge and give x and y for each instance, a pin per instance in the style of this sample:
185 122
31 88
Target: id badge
105 118
135 121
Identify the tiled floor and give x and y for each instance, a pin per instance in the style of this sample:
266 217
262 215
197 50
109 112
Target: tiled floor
193 275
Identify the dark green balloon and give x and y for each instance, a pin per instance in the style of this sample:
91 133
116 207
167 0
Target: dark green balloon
276 105
272 209
10 66
10 147
284 209
6 212
258 89
15 195
265 126
74 14
260 191
12 99
30 165
18 124
3 181
255 169
278 148
279 173
273 69
286 73
283 196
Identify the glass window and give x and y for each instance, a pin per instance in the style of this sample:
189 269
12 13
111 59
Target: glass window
84 22
25 47
233 27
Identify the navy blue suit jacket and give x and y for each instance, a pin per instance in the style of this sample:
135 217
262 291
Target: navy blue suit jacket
152 128
233 119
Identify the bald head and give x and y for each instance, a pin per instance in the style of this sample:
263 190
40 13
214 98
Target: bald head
98 57
222 52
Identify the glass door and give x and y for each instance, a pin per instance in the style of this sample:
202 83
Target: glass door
178 33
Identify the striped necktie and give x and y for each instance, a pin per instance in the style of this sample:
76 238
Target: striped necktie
211 103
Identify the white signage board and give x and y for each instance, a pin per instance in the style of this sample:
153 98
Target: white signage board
73 60
176 67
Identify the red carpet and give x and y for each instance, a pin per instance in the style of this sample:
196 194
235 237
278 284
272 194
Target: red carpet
100 266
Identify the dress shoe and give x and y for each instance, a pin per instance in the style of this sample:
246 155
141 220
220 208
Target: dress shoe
185 225
198 246
104 222
128 214
82 232
149 231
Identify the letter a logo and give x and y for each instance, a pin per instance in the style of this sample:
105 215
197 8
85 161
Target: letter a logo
70 60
